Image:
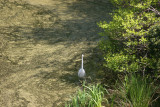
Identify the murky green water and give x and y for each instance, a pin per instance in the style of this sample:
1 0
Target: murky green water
41 46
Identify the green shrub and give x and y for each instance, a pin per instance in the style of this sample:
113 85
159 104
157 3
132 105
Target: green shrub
133 41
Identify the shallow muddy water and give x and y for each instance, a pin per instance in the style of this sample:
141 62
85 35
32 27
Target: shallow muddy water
41 46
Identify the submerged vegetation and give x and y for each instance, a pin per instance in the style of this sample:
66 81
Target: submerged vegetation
41 42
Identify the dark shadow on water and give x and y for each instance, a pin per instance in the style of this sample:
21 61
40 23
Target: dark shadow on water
82 25
93 64
52 29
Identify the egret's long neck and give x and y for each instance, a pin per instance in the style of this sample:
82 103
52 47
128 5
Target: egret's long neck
82 61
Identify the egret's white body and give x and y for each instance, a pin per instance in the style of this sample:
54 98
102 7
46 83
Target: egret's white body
81 72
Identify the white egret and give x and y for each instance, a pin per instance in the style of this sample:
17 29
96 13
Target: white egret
81 72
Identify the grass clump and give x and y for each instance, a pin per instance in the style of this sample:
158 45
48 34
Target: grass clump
90 96
137 91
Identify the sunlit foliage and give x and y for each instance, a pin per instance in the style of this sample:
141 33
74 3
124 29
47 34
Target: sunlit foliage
133 37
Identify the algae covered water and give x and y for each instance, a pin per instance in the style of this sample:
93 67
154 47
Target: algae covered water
41 42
